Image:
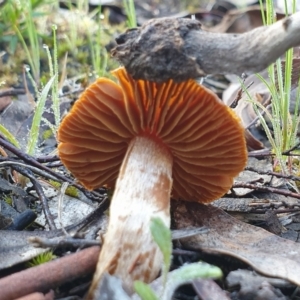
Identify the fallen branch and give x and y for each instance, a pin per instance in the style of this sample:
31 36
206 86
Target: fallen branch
49 275
179 49
38 296
12 92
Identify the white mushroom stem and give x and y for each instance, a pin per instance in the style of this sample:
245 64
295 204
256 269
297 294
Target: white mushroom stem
142 191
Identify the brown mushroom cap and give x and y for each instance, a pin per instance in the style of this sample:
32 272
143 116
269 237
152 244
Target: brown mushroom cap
204 136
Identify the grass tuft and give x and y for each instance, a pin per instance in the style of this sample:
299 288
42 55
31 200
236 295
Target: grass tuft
284 125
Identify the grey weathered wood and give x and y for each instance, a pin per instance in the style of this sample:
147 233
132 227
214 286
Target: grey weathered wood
179 49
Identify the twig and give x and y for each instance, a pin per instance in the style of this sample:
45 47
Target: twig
12 92
39 190
288 152
278 175
260 153
49 275
265 189
79 225
72 92
169 48
276 211
55 164
240 93
48 158
32 161
184 252
28 173
38 296
11 163
258 118
21 221
62 242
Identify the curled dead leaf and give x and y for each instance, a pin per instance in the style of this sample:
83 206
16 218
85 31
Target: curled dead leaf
265 252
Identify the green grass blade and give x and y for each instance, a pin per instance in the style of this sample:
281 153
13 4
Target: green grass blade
130 12
55 98
9 136
262 10
26 49
144 291
34 131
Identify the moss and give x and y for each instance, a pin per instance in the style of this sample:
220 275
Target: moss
47 134
41 259
70 191
277 168
8 199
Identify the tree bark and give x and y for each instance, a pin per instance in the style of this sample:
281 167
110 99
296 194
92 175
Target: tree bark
179 49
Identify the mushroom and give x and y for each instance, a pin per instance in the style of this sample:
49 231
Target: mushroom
151 141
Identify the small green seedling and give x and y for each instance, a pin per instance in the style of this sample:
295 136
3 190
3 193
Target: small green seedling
171 281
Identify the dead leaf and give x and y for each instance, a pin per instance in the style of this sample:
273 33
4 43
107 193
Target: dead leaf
242 20
264 165
209 290
254 286
15 248
244 277
265 252
4 102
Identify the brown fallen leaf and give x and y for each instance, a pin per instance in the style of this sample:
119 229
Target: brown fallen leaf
265 252
209 290
242 20
4 102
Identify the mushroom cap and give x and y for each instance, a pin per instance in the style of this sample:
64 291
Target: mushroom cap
204 136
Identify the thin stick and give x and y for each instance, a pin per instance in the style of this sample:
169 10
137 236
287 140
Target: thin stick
278 175
12 92
49 275
33 162
266 189
39 190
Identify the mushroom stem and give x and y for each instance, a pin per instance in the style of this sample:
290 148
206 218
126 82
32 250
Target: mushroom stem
142 191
